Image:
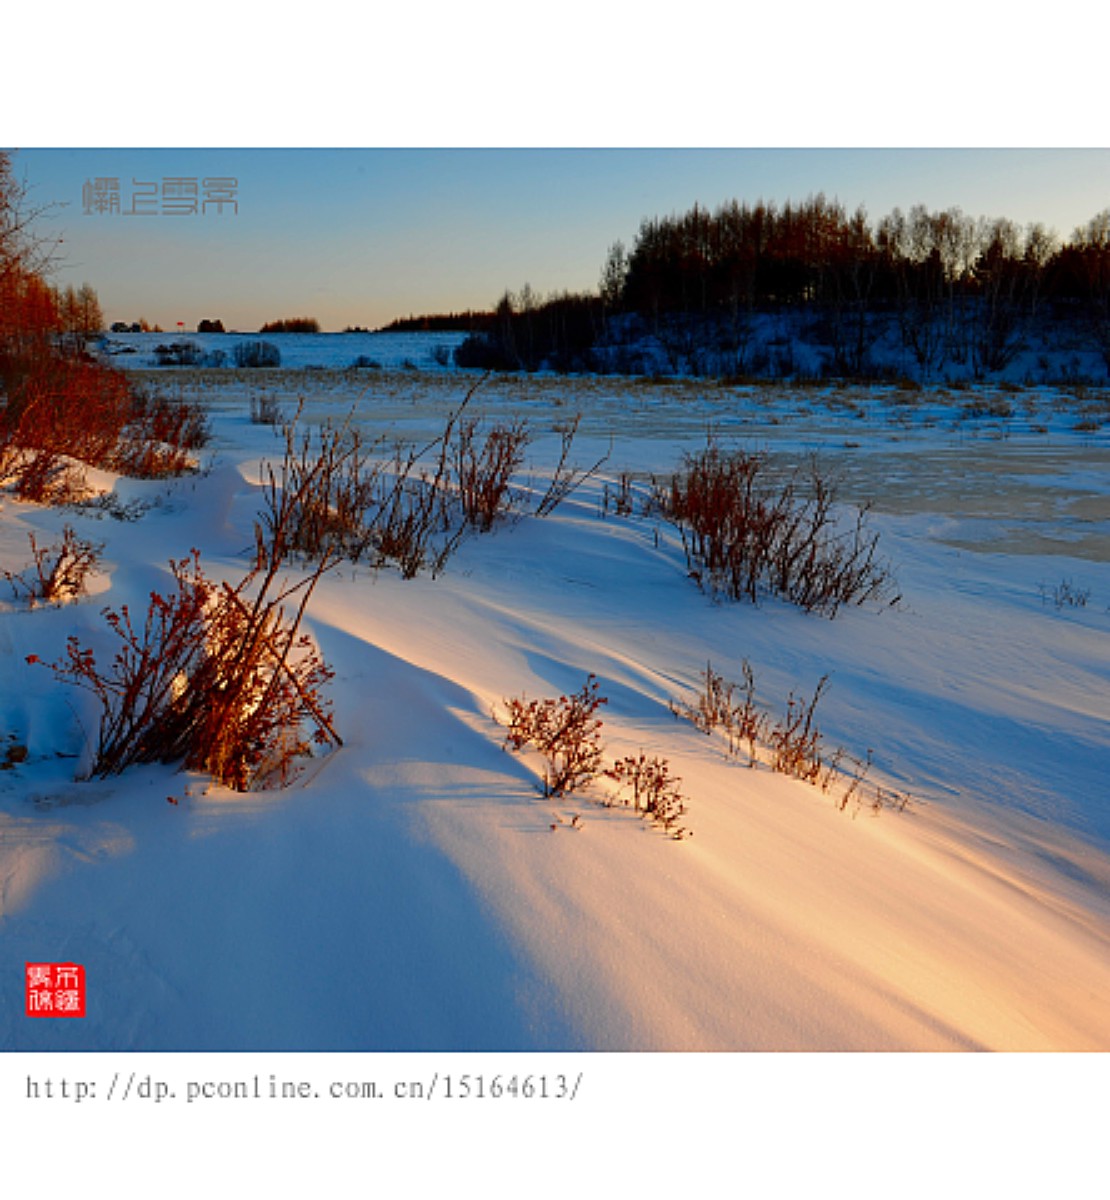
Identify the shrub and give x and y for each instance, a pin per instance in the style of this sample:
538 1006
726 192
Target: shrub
647 784
795 741
567 479
15 752
59 408
256 354
58 572
67 406
218 677
315 503
160 435
484 469
411 510
212 678
619 498
415 526
1064 594
339 501
179 354
141 714
566 731
265 410
41 476
743 534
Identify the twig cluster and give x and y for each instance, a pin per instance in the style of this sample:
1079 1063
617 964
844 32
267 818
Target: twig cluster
566 478
316 499
161 435
791 745
39 475
65 411
265 409
795 741
729 707
484 469
620 498
218 677
58 572
412 524
409 508
412 507
1065 594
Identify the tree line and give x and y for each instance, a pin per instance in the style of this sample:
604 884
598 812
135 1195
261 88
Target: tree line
949 288
468 321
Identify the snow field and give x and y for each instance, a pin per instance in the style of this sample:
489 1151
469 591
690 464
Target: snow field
421 857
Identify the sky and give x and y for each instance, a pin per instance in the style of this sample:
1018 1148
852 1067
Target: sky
356 236
448 153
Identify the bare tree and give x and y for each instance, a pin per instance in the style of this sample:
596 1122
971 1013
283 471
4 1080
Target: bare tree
22 249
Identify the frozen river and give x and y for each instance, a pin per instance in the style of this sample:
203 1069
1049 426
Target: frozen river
1025 472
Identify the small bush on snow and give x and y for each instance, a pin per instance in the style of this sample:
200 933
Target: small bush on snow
59 571
217 677
649 787
566 731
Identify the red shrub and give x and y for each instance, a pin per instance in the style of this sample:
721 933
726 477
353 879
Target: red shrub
212 678
565 731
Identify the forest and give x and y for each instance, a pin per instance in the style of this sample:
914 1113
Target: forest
915 293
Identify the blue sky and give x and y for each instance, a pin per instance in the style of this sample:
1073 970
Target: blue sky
362 236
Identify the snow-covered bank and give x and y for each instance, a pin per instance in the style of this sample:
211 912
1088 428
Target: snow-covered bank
412 891
295 351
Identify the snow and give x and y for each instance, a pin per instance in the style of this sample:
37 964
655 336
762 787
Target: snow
413 892
298 351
